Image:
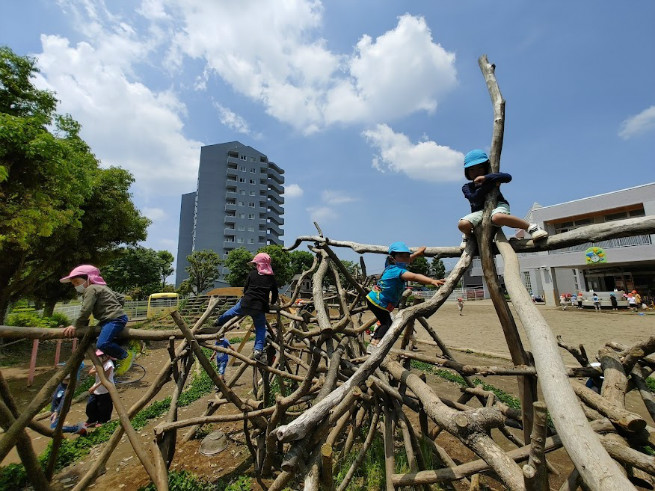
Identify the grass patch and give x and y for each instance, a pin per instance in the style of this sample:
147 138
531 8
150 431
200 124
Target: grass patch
184 481
13 476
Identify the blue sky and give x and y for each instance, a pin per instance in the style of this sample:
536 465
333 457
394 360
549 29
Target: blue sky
369 106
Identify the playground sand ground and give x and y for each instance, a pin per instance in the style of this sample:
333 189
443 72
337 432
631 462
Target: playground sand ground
476 338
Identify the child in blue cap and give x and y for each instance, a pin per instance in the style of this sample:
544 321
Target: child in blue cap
385 296
477 169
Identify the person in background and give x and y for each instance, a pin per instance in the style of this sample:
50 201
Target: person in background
574 299
596 301
580 299
615 302
100 406
460 305
632 302
222 358
57 405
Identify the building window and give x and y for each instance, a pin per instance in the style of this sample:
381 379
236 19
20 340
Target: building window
251 216
242 179
242 215
252 181
251 204
575 280
262 239
526 281
229 239
240 203
239 240
251 241
253 170
242 168
243 157
241 228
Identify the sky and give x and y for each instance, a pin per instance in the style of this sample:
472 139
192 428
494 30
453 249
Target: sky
368 106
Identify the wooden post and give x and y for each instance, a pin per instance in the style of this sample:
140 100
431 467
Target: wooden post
35 350
57 352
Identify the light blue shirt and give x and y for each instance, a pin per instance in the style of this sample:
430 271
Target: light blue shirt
389 289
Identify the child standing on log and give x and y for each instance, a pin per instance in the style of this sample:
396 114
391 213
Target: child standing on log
384 297
105 305
477 169
255 301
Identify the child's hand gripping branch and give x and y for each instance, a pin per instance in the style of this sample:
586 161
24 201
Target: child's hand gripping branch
477 170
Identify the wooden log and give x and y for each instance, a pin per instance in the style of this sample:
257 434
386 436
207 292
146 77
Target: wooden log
389 450
327 479
25 451
627 420
596 467
536 477
5 394
639 376
310 418
581 235
615 383
362 452
470 427
41 399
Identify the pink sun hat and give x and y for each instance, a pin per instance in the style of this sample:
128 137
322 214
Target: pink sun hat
91 272
263 263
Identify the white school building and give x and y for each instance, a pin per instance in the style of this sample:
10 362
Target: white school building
626 263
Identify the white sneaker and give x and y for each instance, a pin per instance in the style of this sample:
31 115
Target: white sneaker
371 348
462 245
536 232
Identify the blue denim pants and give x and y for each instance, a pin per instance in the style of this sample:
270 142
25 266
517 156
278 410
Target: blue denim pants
258 319
109 330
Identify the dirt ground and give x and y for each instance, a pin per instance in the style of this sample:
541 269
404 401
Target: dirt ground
476 336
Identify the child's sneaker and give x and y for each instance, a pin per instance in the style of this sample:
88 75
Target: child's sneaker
259 356
371 348
536 232
462 244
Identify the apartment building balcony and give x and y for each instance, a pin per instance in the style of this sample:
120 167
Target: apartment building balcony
274 186
274 217
230 219
273 239
274 228
273 206
230 206
274 196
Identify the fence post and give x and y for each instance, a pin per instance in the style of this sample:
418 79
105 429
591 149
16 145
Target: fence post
57 352
35 350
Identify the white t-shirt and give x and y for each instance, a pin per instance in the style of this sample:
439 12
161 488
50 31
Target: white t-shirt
107 367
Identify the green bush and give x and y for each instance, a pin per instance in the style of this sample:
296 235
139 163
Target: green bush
26 319
57 319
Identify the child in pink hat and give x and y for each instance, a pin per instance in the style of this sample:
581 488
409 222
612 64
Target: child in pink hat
105 305
260 284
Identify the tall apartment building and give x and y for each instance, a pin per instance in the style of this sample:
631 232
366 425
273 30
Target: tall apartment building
238 203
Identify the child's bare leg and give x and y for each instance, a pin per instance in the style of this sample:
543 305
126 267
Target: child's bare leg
465 227
503 220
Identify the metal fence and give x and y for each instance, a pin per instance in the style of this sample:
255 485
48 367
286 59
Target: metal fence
135 309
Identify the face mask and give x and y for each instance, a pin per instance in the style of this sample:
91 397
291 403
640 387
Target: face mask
80 288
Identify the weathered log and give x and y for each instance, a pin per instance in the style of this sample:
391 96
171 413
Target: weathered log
596 467
625 419
536 477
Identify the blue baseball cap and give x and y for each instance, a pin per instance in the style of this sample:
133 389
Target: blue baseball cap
475 157
398 247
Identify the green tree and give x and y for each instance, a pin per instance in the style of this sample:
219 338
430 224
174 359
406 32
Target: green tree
301 261
136 272
438 269
280 262
420 265
203 270
165 266
237 262
57 207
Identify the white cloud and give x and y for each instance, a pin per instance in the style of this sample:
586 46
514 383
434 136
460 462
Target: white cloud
126 123
424 161
232 120
293 191
288 68
155 214
639 124
321 214
336 197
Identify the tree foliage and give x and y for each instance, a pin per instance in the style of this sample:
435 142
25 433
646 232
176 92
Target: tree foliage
280 262
300 261
57 207
136 272
438 269
420 265
203 270
237 261
165 266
